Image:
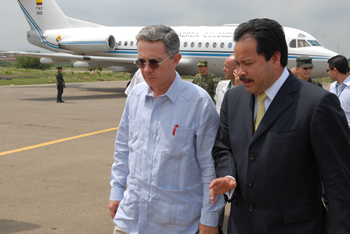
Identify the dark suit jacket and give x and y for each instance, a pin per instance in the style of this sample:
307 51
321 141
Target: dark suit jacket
302 139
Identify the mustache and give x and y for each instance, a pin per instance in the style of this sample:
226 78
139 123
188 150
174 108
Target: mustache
243 79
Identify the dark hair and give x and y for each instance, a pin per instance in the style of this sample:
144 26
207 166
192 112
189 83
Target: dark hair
340 63
164 33
269 35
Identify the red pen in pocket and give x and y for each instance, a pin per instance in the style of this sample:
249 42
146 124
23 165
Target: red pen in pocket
175 127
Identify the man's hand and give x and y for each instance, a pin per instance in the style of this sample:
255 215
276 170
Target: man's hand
203 229
220 186
113 207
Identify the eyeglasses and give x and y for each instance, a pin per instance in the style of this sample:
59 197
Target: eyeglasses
307 68
154 64
329 70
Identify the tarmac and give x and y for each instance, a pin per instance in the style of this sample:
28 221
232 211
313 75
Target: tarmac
56 157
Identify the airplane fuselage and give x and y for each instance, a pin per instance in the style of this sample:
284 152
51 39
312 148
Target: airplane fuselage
115 48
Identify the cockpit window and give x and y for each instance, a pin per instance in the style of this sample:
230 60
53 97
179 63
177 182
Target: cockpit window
293 43
314 43
302 43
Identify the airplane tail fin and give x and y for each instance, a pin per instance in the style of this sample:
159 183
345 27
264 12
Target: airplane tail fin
46 14
43 14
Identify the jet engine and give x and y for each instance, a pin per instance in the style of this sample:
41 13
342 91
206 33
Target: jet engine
85 45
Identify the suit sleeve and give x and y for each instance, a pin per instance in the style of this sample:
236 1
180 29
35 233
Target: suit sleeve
329 134
222 153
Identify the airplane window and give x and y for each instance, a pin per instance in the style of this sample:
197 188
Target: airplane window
131 43
207 44
199 44
314 43
222 45
125 43
214 45
293 43
185 44
302 43
192 44
119 43
230 45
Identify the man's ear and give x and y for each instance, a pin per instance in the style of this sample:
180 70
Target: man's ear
276 59
177 58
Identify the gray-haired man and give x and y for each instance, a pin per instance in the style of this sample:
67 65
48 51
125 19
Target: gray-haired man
163 147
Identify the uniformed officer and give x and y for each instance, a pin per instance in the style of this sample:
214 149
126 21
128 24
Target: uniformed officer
205 78
304 69
60 84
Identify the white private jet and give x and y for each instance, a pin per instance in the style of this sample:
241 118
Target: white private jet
94 46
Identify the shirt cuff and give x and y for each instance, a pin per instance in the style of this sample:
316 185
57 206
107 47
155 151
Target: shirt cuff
230 193
117 194
210 218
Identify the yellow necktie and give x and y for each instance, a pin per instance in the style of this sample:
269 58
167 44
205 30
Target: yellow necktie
261 109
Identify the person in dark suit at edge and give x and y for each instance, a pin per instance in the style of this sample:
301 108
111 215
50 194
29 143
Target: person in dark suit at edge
279 139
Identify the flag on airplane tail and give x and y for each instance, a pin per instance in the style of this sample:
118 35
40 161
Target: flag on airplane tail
39 2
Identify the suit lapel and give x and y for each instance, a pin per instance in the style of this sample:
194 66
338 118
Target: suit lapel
248 113
278 106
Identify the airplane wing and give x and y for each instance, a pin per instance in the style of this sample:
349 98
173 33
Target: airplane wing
72 57
118 64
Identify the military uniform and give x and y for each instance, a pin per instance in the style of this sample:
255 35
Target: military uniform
207 82
315 82
60 85
305 61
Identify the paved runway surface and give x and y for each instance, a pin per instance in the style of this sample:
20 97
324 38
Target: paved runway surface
53 178
61 187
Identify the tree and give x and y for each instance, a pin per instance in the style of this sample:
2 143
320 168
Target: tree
30 62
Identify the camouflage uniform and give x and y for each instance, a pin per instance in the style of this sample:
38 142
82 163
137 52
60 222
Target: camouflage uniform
207 82
315 82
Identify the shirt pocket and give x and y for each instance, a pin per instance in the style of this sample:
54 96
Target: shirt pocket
176 162
287 134
180 140
301 214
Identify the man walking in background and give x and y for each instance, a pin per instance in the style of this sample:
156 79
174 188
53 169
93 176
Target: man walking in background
205 78
231 80
304 70
338 71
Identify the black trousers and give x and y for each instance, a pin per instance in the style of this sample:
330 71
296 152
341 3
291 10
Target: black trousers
59 94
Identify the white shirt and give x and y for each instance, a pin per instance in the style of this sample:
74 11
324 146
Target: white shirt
343 92
136 79
163 153
272 91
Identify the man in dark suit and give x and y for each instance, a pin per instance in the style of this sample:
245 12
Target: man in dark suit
275 161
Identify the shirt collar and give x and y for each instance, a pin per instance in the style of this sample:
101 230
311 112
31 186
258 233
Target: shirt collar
272 91
173 90
347 81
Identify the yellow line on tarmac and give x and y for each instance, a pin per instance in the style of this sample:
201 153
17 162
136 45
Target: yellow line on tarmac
55 142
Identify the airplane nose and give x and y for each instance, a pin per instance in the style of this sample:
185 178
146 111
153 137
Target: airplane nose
329 53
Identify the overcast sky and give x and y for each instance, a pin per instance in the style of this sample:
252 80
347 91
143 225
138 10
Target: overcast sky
327 21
